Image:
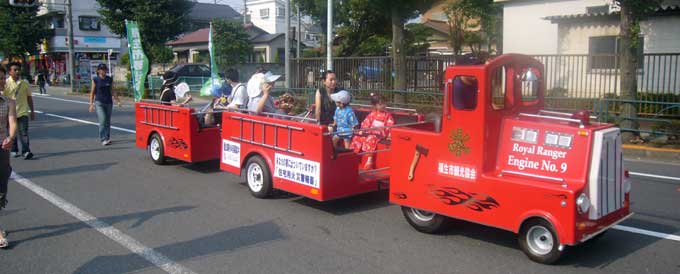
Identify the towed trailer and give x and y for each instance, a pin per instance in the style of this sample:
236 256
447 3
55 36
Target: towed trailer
495 157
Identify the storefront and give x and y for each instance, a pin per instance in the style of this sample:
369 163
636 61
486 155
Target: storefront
90 51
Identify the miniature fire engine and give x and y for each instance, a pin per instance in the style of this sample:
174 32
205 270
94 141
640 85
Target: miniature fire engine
494 157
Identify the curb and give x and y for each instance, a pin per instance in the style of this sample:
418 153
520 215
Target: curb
651 153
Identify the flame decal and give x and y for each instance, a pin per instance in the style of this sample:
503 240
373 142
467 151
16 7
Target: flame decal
453 196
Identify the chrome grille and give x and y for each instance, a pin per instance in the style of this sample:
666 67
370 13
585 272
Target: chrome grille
605 182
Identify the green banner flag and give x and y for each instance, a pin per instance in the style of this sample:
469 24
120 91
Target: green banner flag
211 86
139 64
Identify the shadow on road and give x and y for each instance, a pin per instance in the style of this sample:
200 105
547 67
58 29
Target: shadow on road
69 152
359 203
224 241
597 253
57 230
67 170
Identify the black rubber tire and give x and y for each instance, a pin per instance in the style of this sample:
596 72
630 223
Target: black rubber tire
542 230
260 176
424 221
161 149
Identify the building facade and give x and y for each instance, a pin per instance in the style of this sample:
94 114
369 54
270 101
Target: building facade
93 42
269 15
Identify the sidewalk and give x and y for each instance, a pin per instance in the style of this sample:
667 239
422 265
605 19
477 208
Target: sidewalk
65 91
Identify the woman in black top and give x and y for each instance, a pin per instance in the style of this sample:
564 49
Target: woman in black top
325 107
168 96
101 96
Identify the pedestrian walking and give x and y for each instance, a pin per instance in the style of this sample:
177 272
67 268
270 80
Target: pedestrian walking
8 129
19 91
101 98
42 81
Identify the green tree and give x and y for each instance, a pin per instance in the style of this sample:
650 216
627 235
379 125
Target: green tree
417 36
159 21
162 54
21 31
368 20
231 43
472 23
632 12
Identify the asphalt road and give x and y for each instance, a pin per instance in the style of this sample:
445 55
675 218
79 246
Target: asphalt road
134 216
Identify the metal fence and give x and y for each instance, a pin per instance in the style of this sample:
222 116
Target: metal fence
423 73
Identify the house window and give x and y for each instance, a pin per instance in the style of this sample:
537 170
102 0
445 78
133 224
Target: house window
597 9
311 37
89 23
264 13
603 52
280 12
57 22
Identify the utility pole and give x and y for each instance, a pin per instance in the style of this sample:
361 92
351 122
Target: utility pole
299 27
287 44
71 51
245 12
329 37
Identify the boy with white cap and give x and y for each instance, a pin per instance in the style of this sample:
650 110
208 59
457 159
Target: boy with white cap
344 119
259 87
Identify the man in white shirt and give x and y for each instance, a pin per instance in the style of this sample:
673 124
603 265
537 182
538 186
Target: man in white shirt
239 96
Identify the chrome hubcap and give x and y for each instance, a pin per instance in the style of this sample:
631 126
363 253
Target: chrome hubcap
540 240
422 215
155 149
255 177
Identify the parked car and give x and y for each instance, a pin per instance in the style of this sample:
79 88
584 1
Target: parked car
191 70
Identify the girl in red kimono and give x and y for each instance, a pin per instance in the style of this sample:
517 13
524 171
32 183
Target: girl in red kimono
368 140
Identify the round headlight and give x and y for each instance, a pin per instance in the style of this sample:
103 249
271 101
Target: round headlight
583 203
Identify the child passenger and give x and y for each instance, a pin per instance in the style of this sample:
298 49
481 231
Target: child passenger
378 119
344 119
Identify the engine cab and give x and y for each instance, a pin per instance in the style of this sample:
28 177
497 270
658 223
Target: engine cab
500 159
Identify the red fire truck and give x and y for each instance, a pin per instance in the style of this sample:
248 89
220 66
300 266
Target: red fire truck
494 156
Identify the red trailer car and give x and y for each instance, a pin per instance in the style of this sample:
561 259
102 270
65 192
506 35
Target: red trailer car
495 156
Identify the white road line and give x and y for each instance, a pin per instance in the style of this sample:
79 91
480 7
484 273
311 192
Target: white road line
654 176
65 100
114 234
84 122
648 232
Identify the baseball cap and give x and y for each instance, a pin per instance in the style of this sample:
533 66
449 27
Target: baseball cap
102 67
341 96
269 77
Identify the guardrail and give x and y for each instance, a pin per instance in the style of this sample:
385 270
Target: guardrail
655 118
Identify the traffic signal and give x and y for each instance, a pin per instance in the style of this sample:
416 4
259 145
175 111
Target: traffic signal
23 3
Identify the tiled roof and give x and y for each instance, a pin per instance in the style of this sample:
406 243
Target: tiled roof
199 36
439 26
666 10
207 12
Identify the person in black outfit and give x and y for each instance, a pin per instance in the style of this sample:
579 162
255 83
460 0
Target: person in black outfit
325 107
168 96
101 96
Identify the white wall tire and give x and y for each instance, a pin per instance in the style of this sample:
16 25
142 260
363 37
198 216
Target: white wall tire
425 221
258 177
156 149
538 240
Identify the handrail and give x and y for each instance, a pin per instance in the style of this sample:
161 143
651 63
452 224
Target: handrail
562 113
160 108
267 123
374 128
392 108
554 118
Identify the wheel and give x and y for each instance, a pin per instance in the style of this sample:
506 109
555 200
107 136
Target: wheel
156 150
425 221
258 177
538 240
